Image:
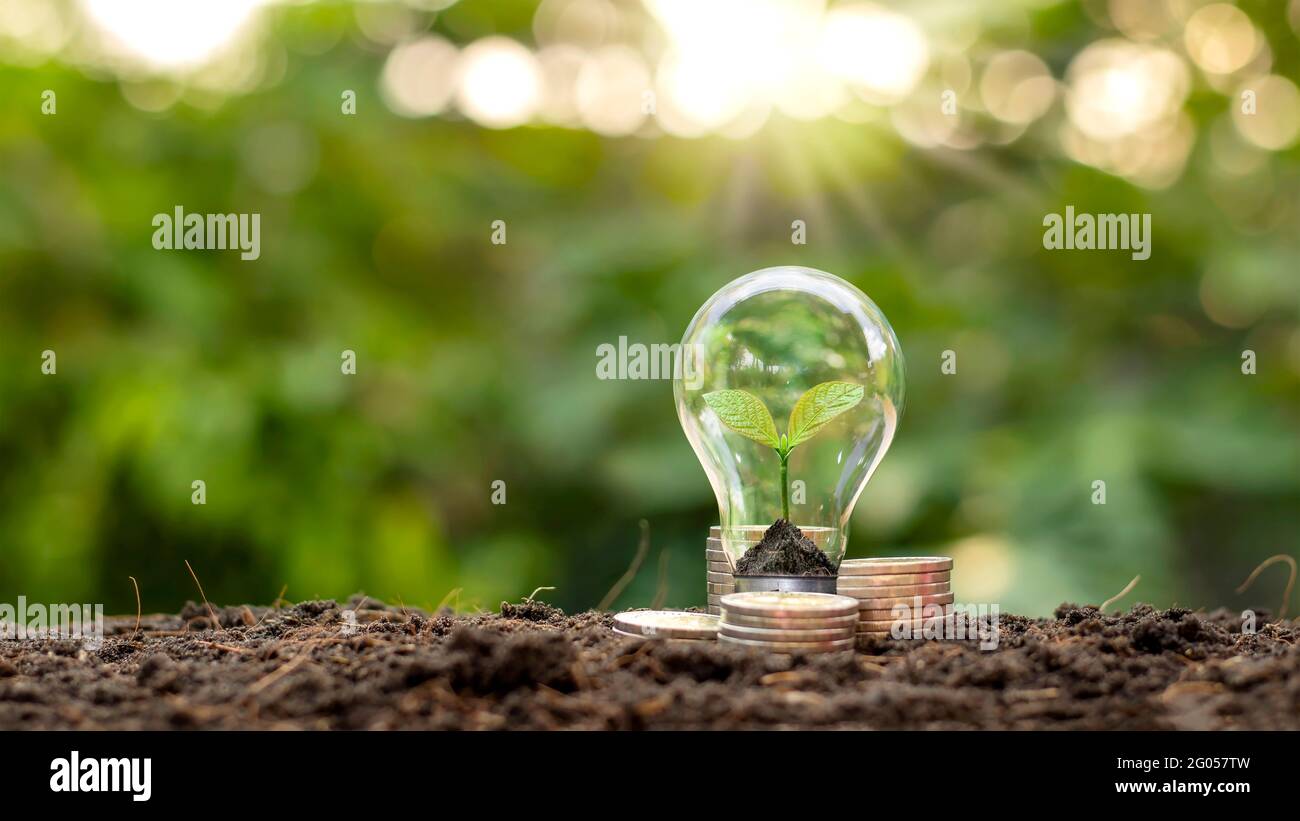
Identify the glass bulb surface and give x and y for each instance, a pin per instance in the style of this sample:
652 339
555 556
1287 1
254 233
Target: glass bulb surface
776 334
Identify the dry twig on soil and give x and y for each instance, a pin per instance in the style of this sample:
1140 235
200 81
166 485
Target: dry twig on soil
136 585
1290 585
1121 594
533 595
455 591
617 590
661 591
212 614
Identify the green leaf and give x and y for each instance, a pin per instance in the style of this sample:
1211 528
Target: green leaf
820 405
746 414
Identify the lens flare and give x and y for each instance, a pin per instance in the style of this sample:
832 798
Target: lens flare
499 83
879 53
170 34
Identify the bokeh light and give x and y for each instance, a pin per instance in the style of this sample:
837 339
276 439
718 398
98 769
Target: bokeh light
561 65
881 54
1272 119
727 56
1220 38
31 30
1117 88
698 92
1016 87
386 23
921 121
1231 153
586 23
1142 20
170 34
1124 102
419 77
499 83
611 89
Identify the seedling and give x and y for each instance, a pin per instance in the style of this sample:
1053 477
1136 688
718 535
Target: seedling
746 414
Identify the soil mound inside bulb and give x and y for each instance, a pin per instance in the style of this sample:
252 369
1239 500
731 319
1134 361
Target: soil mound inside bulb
784 551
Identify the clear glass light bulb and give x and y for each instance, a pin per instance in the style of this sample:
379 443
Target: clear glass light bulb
776 334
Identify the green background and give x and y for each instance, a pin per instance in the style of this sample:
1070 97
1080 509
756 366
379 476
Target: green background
476 362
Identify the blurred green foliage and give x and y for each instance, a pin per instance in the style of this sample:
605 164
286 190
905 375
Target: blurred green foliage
476 362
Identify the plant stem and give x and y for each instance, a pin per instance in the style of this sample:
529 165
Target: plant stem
785 486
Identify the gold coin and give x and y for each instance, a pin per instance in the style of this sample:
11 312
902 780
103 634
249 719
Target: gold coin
885 624
911 601
916 635
796 605
891 592
898 579
668 623
771 634
866 643
898 564
791 646
627 635
940 630
927 611
794 623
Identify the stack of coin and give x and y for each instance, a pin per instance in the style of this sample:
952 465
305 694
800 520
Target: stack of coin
721 580
922 583
721 574
676 625
789 622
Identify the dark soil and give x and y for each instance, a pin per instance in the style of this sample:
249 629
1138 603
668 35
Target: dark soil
531 666
784 551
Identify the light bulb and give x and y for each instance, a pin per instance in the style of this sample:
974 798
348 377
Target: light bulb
776 336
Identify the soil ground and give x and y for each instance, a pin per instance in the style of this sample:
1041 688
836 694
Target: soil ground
784 551
317 665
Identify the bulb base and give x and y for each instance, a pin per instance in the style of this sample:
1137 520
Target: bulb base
786 584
